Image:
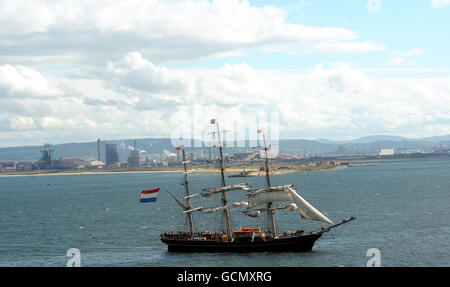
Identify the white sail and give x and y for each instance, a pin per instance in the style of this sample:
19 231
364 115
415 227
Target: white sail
193 209
219 208
191 196
213 190
287 193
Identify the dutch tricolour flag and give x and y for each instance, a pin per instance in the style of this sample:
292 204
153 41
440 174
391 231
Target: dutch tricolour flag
149 195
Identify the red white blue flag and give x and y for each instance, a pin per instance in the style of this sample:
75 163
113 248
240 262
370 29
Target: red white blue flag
213 121
149 195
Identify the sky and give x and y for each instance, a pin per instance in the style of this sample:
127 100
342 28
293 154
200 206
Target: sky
75 71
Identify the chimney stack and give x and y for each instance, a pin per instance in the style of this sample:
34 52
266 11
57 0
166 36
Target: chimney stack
98 149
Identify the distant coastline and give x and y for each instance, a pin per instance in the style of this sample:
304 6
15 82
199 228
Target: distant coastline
253 170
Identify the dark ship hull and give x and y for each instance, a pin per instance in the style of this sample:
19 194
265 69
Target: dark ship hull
295 243
241 174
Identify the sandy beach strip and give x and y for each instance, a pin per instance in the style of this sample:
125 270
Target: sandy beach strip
228 171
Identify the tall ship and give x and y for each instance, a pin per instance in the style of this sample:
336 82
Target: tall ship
243 173
260 202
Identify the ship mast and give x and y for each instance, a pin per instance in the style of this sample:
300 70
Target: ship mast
224 194
186 191
271 211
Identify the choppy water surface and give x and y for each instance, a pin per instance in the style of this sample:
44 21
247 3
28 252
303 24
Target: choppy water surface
402 209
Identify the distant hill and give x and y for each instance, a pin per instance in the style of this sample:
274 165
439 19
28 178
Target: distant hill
439 139
368 139
86 150
321 147
371 139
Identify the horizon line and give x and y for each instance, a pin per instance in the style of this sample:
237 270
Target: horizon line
247 139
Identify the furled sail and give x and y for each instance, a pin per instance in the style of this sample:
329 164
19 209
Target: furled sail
257 212
287 193
218 208
213 190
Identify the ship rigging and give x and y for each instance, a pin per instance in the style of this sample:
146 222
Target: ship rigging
246 239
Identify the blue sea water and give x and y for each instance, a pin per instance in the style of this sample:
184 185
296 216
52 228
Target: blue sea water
402 208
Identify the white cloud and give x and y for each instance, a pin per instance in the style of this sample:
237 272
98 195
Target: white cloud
21 123
221 20
89 32
410 53
399 61
20 81
439 3
229 54
345 102
135 71
135 98
415 53
119 83
406 57
324 102
373 6
327 47
346 47
152 84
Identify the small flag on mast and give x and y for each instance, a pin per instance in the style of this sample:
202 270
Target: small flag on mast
213 121
149 195
260 131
